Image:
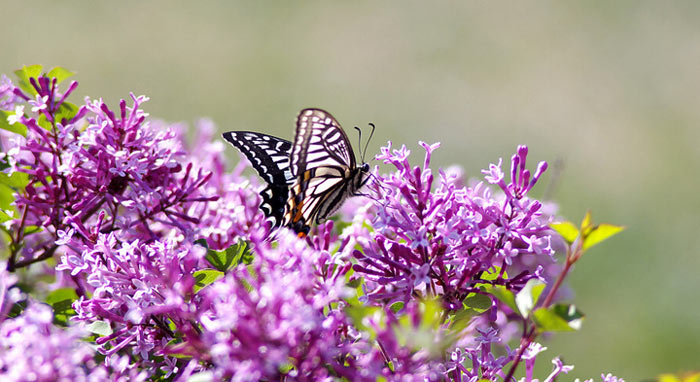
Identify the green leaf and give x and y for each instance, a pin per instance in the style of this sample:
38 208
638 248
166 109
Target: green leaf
101 328
567 230
60 74
228 258
205 277
18 180
558 318
355 282
7 197
478 302
61 300
460 319
586 224
17 128
44 122
285 368
4 216
422 336
527 297
30 229
600 233
358 315
396 307
66 112
690 376
504 295
24 74
9 185
17 309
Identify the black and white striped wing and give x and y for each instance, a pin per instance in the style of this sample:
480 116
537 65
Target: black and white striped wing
270 158
323 165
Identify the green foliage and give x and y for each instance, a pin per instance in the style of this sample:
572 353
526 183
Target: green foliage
65 113
477 302
502 294
24 74
558 318
600 233
423 336
61 300
397 306
230 257
205 277
691 376
588 234
17 128
359 316
567 230
9 185
526 299
60 73
35 71
459 320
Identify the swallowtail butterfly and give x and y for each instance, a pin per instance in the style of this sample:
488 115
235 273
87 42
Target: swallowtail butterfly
307 179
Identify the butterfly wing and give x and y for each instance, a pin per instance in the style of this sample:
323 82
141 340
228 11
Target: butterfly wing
270 158
323 165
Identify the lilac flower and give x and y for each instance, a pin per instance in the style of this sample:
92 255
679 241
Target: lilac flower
451 234
142 289
235 215
268 320
17 116
378 294
60 355
8 98
138 175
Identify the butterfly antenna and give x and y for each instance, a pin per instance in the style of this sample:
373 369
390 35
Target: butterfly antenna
367 144
359 142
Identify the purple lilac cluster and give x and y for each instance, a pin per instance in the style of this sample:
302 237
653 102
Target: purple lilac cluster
235 215
122 200
270 316
439 239
7 96
144 290
95 160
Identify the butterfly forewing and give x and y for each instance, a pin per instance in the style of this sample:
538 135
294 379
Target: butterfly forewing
323 165
320 141
270 158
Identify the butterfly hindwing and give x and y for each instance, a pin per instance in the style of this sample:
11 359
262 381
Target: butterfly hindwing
270 158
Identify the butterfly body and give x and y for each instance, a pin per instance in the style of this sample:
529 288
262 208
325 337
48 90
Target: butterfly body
307 179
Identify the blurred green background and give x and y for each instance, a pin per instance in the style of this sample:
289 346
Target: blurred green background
610 88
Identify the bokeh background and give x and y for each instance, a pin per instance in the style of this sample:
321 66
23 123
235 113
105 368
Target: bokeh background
610 89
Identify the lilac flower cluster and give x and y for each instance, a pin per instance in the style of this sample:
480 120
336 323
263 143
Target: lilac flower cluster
33 349
439 242
7 96
141 289
269 317
83 161
396 292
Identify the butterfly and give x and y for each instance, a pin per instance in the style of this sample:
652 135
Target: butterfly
307 179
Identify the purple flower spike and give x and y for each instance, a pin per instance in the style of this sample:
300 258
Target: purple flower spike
438 241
